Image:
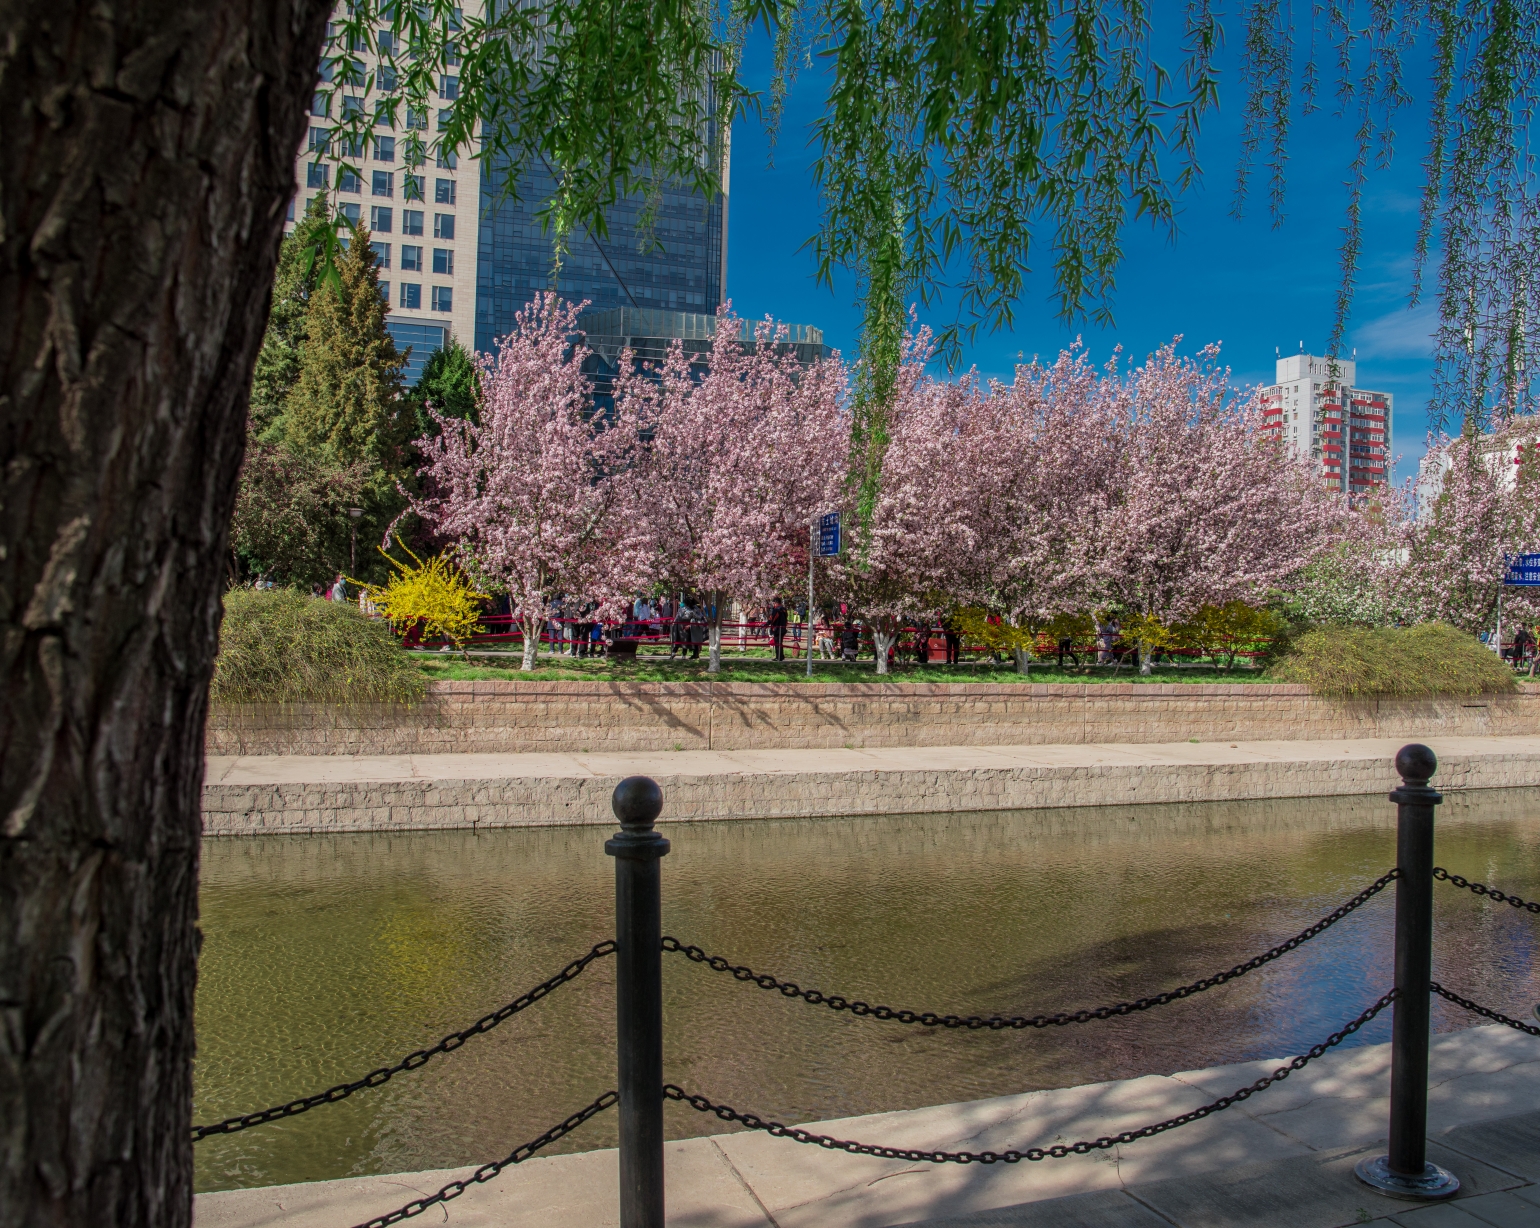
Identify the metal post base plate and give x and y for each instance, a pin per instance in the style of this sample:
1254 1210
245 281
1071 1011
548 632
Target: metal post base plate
1434 1183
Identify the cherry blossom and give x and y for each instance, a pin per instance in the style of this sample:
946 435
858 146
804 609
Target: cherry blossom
533 492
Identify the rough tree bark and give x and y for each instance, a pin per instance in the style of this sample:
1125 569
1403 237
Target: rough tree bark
146 158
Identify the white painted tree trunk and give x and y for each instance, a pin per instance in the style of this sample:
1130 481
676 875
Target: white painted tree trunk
883 641
714 664
1023 660
531 641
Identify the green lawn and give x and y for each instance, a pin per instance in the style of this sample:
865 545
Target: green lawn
649 668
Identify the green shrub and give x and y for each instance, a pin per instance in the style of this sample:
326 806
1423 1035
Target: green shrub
282 646
1365 662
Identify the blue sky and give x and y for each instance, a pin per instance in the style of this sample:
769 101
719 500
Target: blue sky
1244 284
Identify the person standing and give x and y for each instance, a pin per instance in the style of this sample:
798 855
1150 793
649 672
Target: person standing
778 627
953 639
850 641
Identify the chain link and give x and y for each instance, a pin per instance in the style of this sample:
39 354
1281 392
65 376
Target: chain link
997 1023
1059 1150
1495 1016
487 1171
1482 889
412 1061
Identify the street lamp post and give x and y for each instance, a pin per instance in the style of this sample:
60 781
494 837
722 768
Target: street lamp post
354 514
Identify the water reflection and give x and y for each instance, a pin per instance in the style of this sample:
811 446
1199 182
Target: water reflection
327 956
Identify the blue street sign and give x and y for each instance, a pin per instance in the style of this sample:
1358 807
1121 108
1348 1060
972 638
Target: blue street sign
829 534
1521 570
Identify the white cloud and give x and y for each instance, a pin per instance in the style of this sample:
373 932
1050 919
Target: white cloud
1406 332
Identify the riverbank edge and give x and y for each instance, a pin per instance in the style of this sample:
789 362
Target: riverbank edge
511 717
265 795
1282 1158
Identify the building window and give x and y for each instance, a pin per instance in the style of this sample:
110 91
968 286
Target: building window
443 120
317 175
448 88
448 161
290 218
384 149
443 298
380 218
347 181
416 118
385 292
385 78
411 258
353 147
411 221
411 296
443 191
411 186
384 183
443 261
381 254
452 55
321 106
320 140
443 225
352 107
350 211
386 41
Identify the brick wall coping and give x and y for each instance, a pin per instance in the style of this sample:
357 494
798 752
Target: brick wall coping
502 688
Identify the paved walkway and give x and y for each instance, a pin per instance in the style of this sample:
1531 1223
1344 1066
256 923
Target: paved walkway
258 794
1282 1159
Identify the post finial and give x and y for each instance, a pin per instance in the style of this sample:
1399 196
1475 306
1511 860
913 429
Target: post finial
1416 763
637 802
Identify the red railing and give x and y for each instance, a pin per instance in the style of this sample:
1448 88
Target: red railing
503 630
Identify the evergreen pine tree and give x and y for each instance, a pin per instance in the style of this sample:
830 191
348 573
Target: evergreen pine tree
277 370
448 384
347 404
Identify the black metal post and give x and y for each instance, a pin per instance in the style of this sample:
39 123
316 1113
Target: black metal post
1405 1171
637 851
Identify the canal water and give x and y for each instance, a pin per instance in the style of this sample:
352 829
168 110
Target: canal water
326 956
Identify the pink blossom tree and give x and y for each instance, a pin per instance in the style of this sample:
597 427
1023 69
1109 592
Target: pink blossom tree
1210 510
908 552
739 462
533 492
1478 500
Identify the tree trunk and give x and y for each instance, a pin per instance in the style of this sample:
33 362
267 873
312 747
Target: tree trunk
881 642
145 162
714 655
1023 661
532 628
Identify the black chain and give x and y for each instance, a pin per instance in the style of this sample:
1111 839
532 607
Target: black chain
377 1078
1059 1150
487 1171
1483 889
930 1019
1495 1016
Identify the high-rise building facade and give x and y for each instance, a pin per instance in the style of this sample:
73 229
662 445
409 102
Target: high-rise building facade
1320 414
458 258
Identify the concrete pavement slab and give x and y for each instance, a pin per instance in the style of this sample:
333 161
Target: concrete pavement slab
1314 1191
1476 1075
1101 1209
1511 1143
807 1186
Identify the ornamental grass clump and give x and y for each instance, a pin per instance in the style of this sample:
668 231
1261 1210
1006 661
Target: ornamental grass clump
283 646
1403 662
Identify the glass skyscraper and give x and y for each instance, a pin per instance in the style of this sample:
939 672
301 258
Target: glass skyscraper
679 267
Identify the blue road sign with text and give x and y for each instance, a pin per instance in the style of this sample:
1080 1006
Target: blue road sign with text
829 534
1521 570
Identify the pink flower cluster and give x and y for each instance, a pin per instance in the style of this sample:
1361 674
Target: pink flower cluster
1149 489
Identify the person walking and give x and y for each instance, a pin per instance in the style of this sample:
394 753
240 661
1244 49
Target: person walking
1067 649
698 618
679 631
922 643
953 639
778 627
850 641
1523 645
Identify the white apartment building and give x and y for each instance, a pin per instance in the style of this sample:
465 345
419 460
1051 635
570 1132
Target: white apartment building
1320 414
422 221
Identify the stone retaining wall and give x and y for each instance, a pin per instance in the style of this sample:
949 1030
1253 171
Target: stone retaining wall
520 717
